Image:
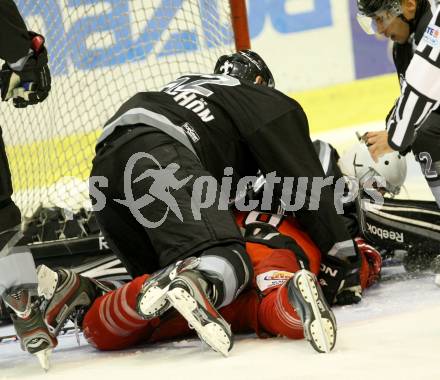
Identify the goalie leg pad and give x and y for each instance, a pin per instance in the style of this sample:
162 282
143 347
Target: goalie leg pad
402 224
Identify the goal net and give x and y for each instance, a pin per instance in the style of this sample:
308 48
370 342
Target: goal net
101 53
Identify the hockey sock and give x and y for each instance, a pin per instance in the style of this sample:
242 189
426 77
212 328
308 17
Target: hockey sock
278 317
229 269
113 323
242 314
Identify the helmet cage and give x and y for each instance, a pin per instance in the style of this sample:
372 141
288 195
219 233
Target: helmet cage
369 177
371 20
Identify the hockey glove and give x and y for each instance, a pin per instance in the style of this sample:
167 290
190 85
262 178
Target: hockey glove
29 82
340 280
371 263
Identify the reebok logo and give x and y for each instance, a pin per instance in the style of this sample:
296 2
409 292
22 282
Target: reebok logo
102 243
385 234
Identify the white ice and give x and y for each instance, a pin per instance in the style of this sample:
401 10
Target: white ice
393 333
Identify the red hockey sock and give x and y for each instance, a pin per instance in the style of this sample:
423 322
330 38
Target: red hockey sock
112 322
240 314
278 317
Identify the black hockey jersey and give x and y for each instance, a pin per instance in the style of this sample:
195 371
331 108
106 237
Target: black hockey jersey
329 157
227 123
418 65
14 38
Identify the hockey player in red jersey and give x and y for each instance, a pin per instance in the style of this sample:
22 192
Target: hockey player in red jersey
285 299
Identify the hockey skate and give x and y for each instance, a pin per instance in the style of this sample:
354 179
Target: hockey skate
33 333
67 296
192 296
319 323
152 301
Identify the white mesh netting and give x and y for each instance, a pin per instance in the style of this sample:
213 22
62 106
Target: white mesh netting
101 53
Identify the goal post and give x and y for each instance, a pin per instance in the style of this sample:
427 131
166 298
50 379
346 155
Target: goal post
240 24
101 52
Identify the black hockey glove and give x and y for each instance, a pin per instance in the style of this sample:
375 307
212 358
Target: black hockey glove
340 280
29 84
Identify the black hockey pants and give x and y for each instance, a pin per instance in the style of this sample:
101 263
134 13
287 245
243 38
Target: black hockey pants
426 149
9 215
163 229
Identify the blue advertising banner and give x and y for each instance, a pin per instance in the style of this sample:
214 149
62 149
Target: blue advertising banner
284 22
274 24
65 40
371 55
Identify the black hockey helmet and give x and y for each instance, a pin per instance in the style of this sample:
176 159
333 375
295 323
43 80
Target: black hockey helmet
370 8
371 12
245 64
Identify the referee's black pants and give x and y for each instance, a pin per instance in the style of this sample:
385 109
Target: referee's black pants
426 149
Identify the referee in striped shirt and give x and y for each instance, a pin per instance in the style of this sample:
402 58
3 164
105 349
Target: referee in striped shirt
414 122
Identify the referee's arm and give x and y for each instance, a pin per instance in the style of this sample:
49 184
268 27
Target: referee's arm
420 92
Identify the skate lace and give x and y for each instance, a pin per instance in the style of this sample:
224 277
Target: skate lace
77 329
16 294
43 302
76 318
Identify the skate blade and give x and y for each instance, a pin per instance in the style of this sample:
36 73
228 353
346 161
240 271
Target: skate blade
211 333
47 282
43 357
322 331
153 302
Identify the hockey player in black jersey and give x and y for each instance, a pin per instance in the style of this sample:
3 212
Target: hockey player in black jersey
414 122
223 126
24 79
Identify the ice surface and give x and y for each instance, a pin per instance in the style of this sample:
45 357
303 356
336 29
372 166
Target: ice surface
392 334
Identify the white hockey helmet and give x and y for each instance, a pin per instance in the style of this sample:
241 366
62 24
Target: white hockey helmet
357 162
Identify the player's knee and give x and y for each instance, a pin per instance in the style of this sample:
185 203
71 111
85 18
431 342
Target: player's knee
229 268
